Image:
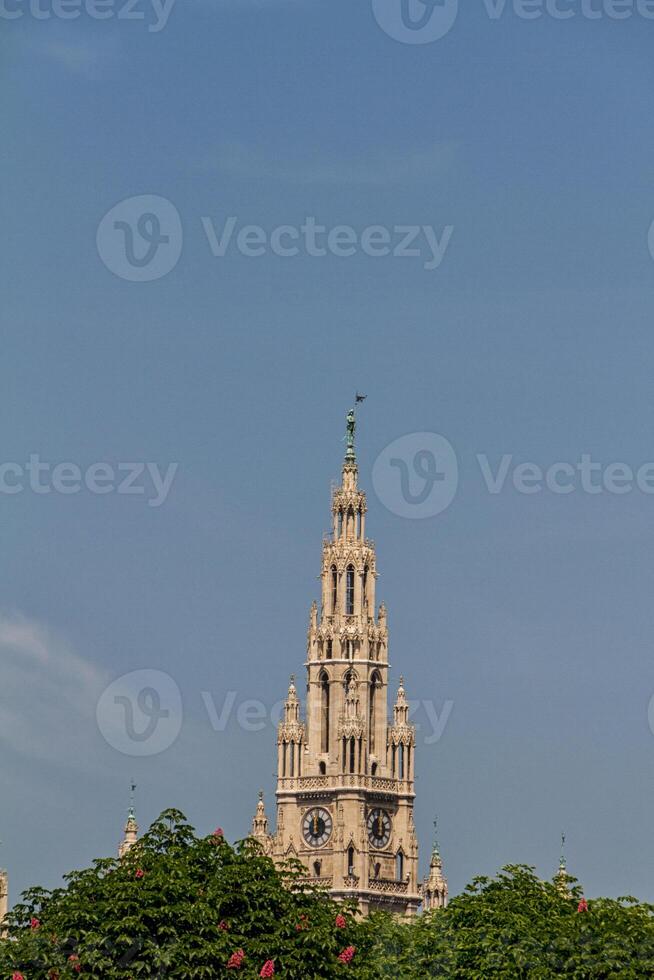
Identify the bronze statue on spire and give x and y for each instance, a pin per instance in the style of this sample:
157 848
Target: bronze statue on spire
349 435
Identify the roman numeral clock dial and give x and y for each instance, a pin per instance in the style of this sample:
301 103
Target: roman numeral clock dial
317 827
379 828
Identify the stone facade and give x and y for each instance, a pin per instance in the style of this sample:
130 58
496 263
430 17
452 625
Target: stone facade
4 897
345 774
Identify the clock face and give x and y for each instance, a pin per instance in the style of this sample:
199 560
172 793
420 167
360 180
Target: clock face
317 827
379 828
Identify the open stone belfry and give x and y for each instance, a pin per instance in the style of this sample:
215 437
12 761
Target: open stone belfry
345 774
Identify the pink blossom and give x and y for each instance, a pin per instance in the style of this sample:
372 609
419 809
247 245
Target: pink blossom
223 925
235 960
583 906
139 873
268 969
17 976
34 923
347 954
340 921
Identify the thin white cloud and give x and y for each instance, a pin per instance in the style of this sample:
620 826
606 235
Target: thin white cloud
379 167
83 56
48 693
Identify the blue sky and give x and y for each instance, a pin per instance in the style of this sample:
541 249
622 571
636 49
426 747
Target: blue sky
531 613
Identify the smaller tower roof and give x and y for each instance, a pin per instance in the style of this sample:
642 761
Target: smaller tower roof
131 832
260 821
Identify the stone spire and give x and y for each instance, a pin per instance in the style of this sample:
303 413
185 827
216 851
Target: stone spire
434 888
260 821
131 832
292 703
561 876
290 735
401 706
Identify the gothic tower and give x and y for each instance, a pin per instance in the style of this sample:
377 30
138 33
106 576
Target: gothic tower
345 778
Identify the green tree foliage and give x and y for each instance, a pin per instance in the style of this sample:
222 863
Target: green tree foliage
179 906
516 926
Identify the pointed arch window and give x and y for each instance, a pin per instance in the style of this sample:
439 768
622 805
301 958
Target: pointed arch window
375 684
334 588
317 867
350 861
349 682
399 866
330 649
324 712
349 591
365 586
